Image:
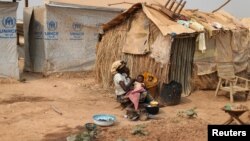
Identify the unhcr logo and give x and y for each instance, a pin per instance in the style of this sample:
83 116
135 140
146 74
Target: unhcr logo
77 26
38 33
9 22
52 25
9 31
38 26
76 33
52 34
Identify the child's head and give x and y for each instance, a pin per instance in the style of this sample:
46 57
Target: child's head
140 78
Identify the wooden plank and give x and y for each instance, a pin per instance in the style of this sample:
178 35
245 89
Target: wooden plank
177 6
182 6
167 12
167 3
172 4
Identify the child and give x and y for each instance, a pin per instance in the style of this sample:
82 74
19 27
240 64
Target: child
134 94
139 82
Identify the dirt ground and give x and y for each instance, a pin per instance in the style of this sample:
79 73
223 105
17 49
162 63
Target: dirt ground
26 111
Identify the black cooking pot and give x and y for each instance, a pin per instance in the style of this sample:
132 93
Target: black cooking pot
153 110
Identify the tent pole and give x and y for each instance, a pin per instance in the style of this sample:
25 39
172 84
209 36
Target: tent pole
221 6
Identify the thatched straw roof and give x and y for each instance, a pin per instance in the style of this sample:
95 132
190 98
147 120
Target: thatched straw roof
167 26
246 22
162 21
123 4
206 19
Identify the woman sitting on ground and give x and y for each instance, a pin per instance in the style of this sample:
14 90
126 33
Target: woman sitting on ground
123 83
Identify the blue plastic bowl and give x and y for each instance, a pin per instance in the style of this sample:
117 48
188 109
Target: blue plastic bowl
104 119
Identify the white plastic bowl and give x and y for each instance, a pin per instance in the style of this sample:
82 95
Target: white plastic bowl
104 119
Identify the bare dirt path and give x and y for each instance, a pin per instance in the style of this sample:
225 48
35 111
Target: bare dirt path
26 112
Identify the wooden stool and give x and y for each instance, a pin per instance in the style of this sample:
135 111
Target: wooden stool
234 116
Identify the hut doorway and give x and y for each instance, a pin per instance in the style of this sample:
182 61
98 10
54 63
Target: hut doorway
181 66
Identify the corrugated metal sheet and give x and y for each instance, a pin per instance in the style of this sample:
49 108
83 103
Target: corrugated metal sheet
181 66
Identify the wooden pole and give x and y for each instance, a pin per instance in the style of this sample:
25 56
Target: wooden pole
167 3
26 3
171 6
18 39
177 6
222 6
120 3
182 7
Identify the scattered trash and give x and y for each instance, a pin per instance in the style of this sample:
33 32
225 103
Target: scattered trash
139 130
184 23
125 116
216 25
132 115
56 110
190 113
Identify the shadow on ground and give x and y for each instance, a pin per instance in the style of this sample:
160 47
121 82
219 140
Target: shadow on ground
64 132
17 98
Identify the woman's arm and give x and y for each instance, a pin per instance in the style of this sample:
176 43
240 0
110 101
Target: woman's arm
126 88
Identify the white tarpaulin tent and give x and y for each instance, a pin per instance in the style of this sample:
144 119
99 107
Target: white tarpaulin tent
61 37
8 47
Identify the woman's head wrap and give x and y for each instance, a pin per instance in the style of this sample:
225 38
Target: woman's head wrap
117 65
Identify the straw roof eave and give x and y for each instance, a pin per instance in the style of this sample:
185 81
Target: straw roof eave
228 22
122 17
